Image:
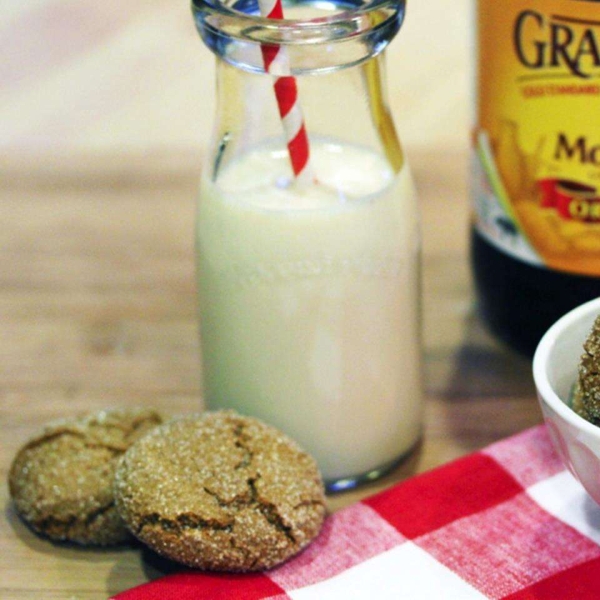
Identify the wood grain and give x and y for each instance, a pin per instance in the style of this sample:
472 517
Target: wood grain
105 108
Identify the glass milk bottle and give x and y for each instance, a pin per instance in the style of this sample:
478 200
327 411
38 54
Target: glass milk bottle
309 290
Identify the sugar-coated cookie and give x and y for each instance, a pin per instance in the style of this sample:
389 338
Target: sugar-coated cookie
220 491
61 482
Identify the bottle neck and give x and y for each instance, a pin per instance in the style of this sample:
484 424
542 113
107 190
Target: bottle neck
347 106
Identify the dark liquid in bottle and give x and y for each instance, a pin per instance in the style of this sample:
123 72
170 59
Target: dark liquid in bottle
520 301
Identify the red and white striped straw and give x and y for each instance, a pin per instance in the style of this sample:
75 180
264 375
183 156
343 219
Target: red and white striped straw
286 92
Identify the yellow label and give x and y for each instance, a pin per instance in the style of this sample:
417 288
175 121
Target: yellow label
537 140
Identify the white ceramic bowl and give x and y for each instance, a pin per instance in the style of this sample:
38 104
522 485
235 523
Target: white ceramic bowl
555 371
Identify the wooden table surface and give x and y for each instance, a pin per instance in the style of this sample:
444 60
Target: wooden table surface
104 111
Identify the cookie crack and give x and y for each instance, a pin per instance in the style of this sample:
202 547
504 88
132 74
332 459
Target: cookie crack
116 450
270 511
240 442
97 513
182 522
140 422
247 554
593 368
308 503
253 500
55 526
87 441
236 501
43 439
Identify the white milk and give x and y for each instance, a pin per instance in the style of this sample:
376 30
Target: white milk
309 303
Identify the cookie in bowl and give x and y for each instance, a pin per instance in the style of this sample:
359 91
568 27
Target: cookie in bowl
563 378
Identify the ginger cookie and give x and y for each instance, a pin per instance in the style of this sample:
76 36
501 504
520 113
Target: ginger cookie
221 492
587 396
61 482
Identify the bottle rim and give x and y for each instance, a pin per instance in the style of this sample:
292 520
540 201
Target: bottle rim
374 16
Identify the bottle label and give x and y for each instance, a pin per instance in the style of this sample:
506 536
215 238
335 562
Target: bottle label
536 145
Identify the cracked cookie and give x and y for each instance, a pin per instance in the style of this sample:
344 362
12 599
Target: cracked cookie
61 482
220 492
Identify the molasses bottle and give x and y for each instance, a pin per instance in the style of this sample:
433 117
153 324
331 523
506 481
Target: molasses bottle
535 170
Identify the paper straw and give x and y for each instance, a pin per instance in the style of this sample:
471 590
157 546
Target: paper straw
277 62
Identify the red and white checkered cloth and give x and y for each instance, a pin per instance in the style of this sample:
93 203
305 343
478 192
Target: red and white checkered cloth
506 522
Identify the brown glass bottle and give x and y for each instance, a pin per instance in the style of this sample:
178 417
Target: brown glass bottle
520 301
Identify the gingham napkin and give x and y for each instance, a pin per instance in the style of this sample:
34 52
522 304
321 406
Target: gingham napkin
506 522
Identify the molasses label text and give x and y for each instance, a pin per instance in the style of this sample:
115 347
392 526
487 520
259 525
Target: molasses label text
566 43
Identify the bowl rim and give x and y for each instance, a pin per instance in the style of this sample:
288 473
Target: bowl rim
540 361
